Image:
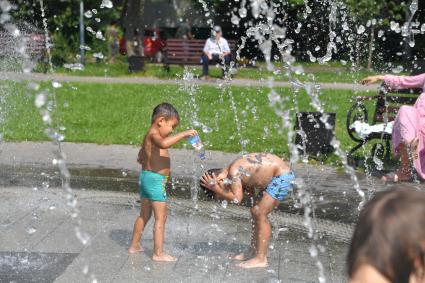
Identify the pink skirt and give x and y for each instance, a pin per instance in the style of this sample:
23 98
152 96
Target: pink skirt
409 125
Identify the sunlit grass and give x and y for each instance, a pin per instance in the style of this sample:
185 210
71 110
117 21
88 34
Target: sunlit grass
120 114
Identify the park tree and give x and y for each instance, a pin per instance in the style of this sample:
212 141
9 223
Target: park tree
132 19
62 18
372 16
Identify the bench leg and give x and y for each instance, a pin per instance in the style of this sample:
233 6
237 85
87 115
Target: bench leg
167 67
387 149
350 159
355 148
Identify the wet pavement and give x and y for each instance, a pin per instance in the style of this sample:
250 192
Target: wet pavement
38 237
94 166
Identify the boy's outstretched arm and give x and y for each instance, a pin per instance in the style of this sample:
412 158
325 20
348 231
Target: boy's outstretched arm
235 194
165 143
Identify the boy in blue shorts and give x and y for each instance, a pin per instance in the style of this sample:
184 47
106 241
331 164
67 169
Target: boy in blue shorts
256 171
155 161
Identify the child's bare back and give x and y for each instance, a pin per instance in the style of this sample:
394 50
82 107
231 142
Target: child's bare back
255 170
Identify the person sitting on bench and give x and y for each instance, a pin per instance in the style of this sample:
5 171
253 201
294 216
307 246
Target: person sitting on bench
216 50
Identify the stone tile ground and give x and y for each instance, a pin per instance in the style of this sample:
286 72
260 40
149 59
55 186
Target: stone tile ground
201 241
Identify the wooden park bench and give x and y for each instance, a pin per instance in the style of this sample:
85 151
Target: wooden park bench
35 46
187 51
387 103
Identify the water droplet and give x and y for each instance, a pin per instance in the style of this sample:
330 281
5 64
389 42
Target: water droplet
31 230
398 69
74 67
40 100
313 251
298 29
5 6
86 269
88 14
235 20
90 30
56 84
224 204
52 207
206 129
98 55
97 20
106 4
361 29
85 47
242 12
99 35
413 6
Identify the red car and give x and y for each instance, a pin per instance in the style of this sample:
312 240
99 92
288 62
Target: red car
153 44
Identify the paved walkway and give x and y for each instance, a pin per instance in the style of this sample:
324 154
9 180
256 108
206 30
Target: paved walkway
150 80
38 243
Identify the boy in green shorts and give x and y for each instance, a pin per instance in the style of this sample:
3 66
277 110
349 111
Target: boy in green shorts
155 161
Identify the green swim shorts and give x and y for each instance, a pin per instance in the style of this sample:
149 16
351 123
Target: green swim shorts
152 186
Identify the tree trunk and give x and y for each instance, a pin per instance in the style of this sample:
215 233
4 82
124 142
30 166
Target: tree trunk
407 48
371 47
132 19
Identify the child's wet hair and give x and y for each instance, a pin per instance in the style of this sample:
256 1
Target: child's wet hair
208 193
390 235
165 110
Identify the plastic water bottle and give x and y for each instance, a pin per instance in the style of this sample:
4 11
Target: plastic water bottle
195 141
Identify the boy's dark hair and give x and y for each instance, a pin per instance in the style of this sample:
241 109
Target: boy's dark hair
208 193
165 110
390 235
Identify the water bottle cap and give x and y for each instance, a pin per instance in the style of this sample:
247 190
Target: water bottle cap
194 139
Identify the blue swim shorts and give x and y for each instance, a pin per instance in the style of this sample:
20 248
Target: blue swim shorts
280 186
152 186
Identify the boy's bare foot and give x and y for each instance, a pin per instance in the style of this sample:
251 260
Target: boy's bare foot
243 256
254 263
133 250
163 257
396 177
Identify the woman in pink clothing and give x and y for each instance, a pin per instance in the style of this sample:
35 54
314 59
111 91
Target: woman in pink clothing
409 127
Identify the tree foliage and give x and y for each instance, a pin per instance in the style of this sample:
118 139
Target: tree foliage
63 22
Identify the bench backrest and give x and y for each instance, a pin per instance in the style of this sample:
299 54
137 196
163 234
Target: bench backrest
35 44
188 51
389 102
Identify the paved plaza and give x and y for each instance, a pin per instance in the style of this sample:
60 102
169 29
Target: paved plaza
38 234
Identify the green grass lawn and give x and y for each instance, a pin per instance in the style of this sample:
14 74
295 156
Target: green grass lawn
120 114
324 73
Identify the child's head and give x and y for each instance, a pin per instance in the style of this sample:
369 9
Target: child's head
166 118
390 236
